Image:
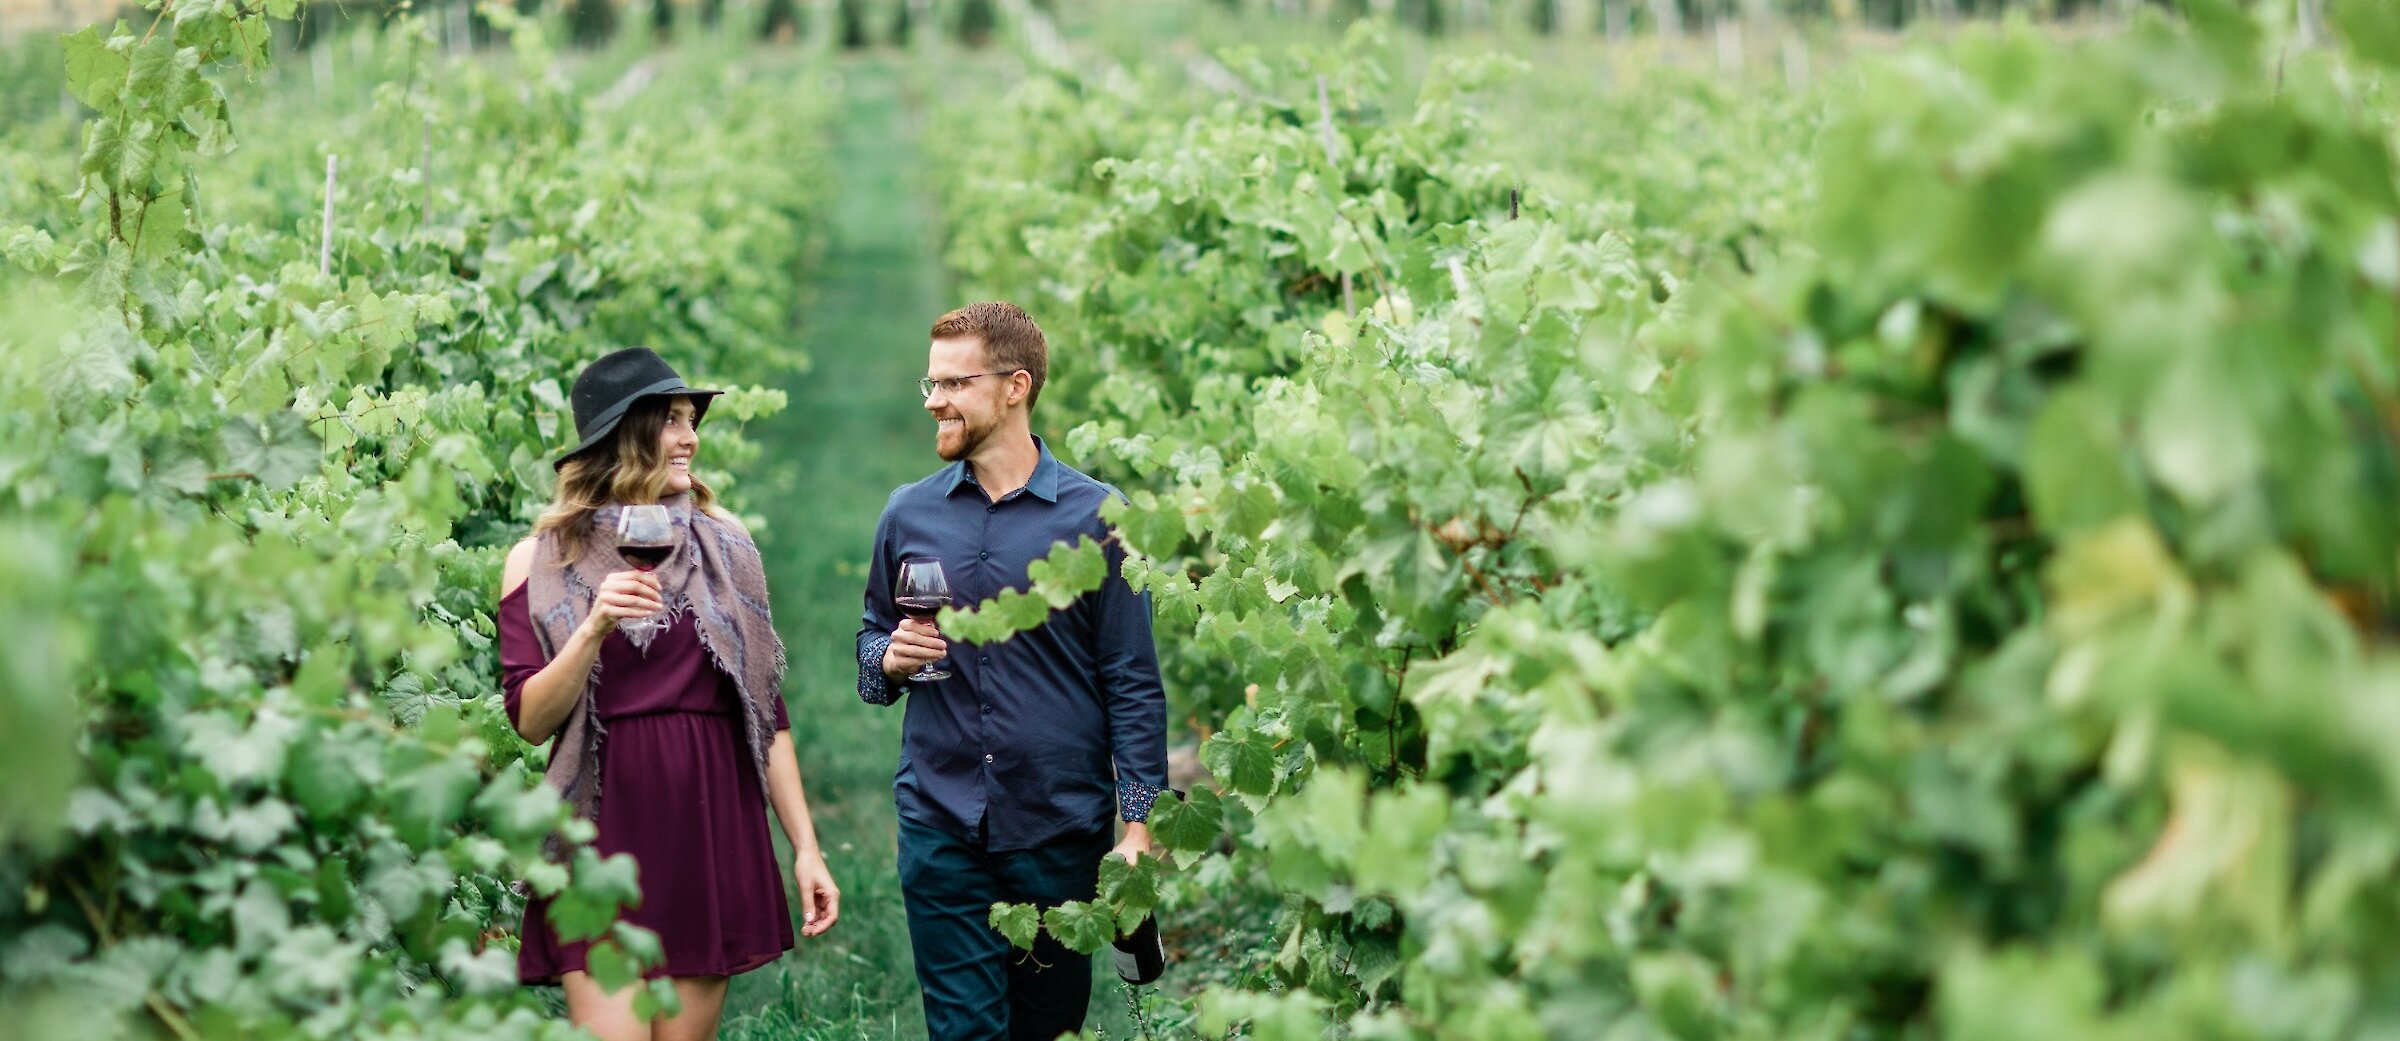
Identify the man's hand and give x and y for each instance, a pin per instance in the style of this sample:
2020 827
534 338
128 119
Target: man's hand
914 645
1136 843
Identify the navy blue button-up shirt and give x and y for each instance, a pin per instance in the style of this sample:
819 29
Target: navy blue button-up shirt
1035 738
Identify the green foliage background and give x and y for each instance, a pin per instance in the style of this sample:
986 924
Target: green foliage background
1906 552
1934 580
260 785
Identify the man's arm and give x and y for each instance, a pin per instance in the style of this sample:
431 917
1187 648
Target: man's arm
1136 699
881 616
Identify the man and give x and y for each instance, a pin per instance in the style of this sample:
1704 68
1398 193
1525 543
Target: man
1005 786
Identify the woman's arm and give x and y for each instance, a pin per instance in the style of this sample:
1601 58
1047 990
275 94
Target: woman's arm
548 695
820 899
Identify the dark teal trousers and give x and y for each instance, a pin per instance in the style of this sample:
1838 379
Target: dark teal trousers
977 987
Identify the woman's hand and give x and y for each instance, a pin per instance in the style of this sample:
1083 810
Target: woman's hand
624 594
820 899
914 645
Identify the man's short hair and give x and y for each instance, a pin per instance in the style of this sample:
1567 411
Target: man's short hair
1010 339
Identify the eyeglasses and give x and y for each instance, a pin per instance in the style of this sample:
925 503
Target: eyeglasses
954 384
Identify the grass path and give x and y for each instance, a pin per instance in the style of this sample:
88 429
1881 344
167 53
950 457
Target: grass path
853 433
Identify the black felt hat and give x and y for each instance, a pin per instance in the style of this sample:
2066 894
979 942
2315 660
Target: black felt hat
608 387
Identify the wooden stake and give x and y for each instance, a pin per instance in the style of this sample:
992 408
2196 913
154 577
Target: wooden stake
325 235
1325 112
1458 281
1333 159
425 173
1666 17
2310 18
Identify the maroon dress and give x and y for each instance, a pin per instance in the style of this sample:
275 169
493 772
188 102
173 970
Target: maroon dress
678 793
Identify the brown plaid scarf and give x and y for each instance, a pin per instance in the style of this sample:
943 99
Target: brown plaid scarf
717 576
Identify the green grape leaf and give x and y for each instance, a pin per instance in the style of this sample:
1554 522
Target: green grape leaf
610 966
657 998
1084 927
279 453
1020 923
324 780
599 886
545 878
1250 506
154 75
1057 581
336 900
238 755
1395 852
91 811
213 974
1244 759
1129 890
95 71
1069 572
491 972
120 977
257 826
2074 470
1293 1015
642 945
1192 823
2369 27
40 953
313 958
518 810
1150 526
427 802
591 900
163 223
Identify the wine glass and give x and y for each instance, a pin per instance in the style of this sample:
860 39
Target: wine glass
924 591
645 538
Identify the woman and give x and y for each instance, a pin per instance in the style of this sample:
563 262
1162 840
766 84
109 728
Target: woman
682 730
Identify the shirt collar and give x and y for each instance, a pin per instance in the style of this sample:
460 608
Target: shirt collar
1043 484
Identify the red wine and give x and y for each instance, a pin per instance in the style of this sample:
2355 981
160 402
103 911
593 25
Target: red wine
646 557
922 608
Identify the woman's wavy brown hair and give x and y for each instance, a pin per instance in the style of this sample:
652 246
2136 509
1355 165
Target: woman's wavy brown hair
626 468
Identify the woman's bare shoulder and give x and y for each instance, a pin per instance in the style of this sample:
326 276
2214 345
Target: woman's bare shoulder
518 567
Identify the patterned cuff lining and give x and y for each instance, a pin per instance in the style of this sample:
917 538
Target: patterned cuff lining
1134 799
874 687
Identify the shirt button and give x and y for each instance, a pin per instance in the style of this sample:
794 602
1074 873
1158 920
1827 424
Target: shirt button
985 555
987 708
991 509
985 660
987 757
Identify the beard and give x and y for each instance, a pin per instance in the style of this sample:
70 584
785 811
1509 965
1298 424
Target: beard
955 443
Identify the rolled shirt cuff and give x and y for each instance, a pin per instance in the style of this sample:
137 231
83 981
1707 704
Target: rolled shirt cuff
1134 799
874 687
